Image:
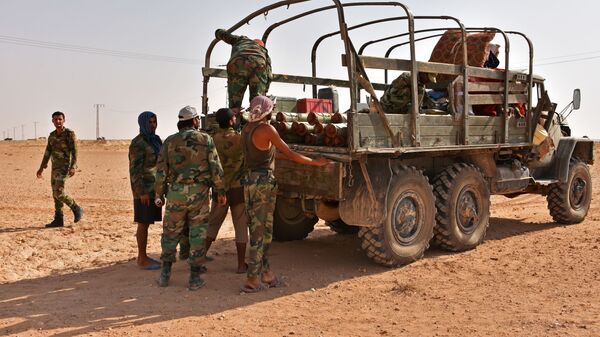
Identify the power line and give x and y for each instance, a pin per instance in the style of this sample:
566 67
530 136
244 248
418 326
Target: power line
569 61
96 51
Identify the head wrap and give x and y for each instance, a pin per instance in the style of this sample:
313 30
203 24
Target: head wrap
144 123
260 107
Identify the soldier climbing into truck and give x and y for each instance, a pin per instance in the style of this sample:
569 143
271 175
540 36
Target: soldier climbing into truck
425 173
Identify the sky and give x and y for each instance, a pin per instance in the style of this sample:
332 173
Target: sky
136 55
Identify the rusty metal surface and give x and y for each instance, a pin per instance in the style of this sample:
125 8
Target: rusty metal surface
310 181
357 206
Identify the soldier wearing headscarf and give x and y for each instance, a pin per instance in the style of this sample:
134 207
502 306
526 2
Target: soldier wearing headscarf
188 167
143 155
259 141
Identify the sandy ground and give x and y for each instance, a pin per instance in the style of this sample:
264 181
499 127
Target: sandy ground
531 277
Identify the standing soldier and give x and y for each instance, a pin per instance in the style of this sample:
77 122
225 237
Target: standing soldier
227 141
259 141
143 155
188 166
249 65
62 148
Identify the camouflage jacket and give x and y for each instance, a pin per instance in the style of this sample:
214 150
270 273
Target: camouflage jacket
188 157
142 166
62 149
228 143
397 97
243 46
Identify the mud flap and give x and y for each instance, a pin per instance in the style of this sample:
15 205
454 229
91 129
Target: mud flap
364 201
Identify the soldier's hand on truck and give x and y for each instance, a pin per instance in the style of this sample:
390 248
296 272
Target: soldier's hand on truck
321 161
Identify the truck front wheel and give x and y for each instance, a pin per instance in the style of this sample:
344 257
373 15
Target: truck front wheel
462 199
290 222
404 235
569 202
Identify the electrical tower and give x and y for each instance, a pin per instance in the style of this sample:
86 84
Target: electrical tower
98 106
35 130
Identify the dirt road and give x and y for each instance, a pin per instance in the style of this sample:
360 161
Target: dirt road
531 277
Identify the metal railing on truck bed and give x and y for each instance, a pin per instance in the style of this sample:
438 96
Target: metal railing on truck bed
400 133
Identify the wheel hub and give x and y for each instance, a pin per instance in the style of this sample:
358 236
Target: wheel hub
467 211
406 218
578 192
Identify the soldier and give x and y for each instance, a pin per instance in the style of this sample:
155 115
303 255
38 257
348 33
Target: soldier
143 155
227 141
62 148
259 141
249 65
188 166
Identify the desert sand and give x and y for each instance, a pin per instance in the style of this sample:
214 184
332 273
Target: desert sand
531 277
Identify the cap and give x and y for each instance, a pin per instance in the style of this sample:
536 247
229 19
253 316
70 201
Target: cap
187 113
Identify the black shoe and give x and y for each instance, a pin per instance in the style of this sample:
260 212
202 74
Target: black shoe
196 282
77 212
165 274
57 222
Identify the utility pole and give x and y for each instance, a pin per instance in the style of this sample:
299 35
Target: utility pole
35 130
3 135
98 106
14 133
22 131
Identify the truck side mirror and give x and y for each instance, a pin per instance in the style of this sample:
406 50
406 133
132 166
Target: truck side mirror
576 99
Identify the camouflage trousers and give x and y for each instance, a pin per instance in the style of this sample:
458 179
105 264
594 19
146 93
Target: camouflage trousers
260 193
186 205
57 181
247 71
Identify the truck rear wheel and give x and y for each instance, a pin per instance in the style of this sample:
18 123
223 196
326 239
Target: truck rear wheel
462 199
404 235
290 222
340 227
569 202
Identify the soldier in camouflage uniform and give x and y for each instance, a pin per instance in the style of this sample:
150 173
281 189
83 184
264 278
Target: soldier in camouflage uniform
249 65
259 141
62 148
227 141
188 166
397 98
143 155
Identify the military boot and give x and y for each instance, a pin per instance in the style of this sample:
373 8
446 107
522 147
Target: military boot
57 222
165 274
196 282
77 212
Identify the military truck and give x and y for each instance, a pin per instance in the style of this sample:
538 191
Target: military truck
406 180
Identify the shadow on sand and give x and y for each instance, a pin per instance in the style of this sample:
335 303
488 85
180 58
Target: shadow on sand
122 295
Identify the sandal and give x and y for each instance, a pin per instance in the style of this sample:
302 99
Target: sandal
248 290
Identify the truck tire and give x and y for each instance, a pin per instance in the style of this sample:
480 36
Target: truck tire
569 202
404 235
340 227
462 200
290 222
